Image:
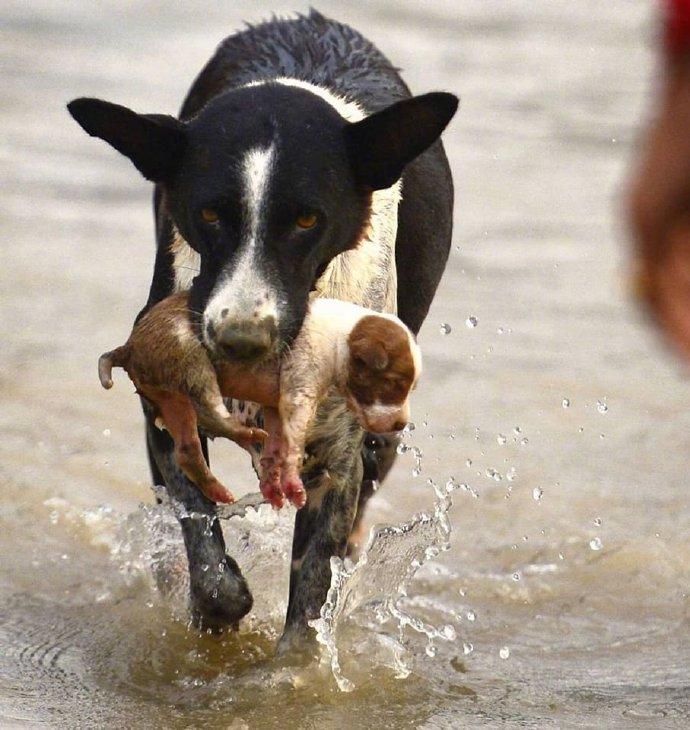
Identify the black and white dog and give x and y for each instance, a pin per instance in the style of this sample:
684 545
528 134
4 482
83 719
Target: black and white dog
300 166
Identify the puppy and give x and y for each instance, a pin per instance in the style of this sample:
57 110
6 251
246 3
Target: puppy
370 359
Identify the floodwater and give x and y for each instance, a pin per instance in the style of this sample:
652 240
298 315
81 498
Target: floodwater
565 585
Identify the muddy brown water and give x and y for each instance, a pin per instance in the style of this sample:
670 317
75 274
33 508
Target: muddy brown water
568 573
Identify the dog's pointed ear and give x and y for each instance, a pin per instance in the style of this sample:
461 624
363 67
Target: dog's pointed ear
155 143
382 144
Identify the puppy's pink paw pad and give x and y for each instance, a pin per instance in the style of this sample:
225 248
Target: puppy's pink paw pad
295 492
273 494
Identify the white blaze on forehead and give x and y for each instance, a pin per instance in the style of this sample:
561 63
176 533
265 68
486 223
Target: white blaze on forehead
256 174
236 295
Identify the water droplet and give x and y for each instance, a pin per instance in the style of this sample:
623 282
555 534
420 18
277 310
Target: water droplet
501 440
446 329
517 430
504 653
596 544
511 474
467 648
602 407
516 576
524 441
537 493
565 402
106 432
409 428
448 633
471 322
493 474
598 521
471 615
402 448
561 556
468 463
416 471
431 650
204 567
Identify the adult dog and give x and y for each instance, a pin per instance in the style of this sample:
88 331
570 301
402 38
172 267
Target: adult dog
300 166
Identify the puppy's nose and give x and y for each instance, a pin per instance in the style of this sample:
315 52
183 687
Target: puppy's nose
245 342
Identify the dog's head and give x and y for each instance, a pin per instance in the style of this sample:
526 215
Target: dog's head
267 183
384 365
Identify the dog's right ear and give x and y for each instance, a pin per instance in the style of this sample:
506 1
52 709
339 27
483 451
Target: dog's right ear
155 143
381 145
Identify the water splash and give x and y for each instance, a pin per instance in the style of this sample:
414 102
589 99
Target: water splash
379 579
150 547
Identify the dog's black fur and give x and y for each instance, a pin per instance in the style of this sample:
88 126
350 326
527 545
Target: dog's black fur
323 166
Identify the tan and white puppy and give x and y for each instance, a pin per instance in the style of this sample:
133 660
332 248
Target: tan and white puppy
370 359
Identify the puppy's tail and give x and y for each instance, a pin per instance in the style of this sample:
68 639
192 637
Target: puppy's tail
107 361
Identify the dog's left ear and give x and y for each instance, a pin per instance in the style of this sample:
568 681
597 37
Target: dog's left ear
155 143
382 144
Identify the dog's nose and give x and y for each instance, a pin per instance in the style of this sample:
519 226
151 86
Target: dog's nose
246 343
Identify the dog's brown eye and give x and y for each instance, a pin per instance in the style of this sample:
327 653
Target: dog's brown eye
306 221
210 216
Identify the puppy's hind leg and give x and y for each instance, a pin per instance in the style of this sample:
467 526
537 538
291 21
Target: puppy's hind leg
180 420
215 418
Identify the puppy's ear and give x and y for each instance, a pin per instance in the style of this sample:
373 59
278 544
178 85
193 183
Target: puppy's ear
382 144
155 143
372 353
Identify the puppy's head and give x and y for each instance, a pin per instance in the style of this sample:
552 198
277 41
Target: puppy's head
383 366
267 183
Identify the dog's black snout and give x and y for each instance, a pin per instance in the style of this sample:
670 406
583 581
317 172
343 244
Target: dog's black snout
246 342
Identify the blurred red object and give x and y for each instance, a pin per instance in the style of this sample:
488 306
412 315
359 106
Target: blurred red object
677 26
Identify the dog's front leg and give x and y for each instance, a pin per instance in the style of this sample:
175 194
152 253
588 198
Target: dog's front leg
219 593
332 478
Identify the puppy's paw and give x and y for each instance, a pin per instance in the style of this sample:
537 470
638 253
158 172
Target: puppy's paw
273 493
293 488
247 437
216 492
